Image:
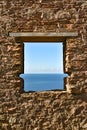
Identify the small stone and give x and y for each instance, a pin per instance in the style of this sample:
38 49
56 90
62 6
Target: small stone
12 120
2 117
5 125
10 110
85 126
74 89
62 15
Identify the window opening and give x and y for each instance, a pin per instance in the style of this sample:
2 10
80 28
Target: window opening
43 66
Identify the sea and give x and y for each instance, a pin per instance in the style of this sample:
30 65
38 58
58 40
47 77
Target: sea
43 82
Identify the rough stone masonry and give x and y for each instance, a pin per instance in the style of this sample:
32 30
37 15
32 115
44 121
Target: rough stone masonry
51 110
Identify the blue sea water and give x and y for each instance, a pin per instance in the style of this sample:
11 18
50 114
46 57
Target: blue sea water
42 82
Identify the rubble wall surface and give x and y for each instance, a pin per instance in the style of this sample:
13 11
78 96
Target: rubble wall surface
51 110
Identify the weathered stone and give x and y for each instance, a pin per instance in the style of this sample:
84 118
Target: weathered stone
1 110
61 15
12 110
12 120
5 126
2 117
85 126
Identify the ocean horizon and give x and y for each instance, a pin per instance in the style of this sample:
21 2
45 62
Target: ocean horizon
43 81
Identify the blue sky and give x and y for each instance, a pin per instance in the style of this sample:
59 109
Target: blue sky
43 58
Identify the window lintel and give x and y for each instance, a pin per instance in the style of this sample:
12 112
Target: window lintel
42 37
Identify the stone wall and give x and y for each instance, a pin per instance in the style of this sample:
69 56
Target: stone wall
54 110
